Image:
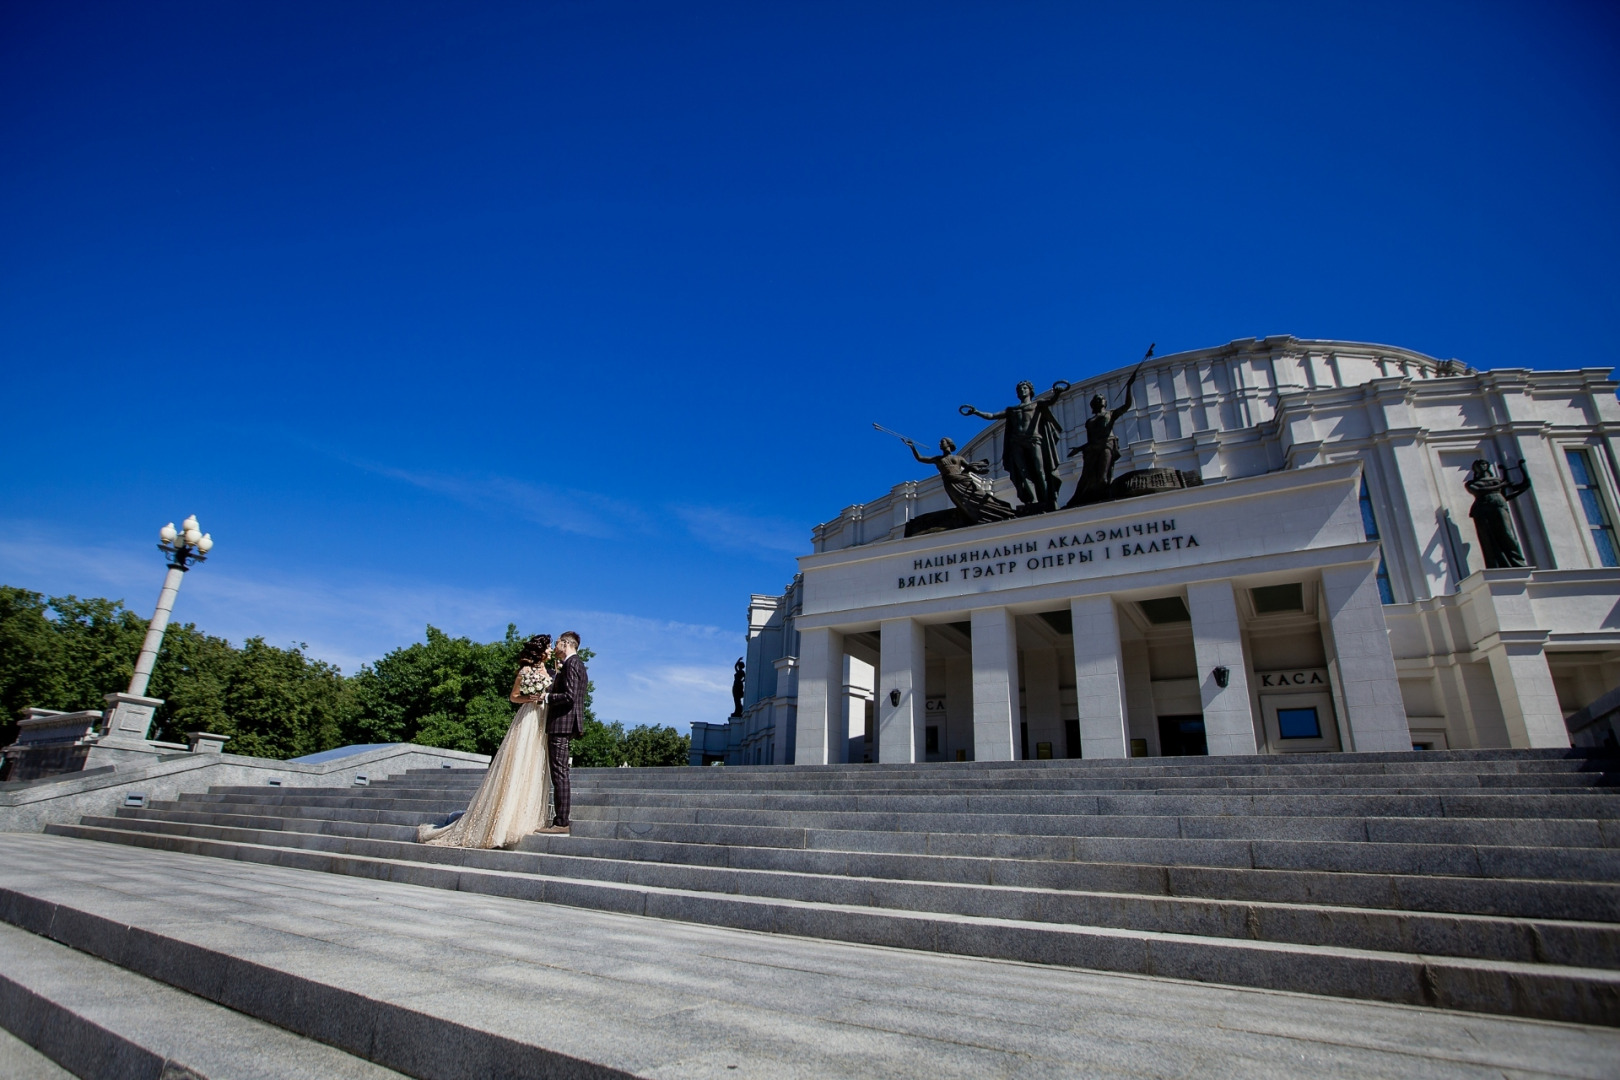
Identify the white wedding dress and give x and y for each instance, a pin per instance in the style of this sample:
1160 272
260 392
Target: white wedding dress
510 802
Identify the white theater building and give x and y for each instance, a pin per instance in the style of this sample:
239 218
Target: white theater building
1323 589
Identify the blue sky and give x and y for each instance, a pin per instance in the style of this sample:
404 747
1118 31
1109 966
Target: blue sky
578 314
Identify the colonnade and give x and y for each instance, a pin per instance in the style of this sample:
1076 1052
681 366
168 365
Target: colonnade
1366 687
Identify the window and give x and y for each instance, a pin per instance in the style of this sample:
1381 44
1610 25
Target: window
1597 514
1369 525
1299 723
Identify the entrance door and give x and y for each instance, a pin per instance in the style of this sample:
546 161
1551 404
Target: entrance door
1182 736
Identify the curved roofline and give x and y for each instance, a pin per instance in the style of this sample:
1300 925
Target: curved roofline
1274 343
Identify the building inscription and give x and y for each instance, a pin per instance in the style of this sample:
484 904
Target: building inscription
1135 540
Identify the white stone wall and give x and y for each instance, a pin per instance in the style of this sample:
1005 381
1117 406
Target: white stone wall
1413 425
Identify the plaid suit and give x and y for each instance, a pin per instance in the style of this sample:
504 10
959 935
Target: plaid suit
564 720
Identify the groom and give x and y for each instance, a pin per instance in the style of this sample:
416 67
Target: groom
565 705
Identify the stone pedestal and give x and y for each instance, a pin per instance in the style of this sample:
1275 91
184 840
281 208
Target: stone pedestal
206 742
124 741
129 717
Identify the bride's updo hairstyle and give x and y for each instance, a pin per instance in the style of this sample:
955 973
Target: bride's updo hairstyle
534 650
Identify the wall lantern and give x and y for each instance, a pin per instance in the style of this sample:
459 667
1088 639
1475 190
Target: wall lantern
894 697
1222 676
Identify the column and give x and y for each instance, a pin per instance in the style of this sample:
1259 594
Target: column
1099 678
903 667
995 685
821 683
1043 703
1218 642
1524 685
1375 714
1141 721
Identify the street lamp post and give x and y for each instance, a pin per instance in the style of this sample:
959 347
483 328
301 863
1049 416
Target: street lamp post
184 548
129 715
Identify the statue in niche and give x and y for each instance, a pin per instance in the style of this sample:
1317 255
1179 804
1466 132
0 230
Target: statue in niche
1100 452
1493 520
968 485
1029 438
739 685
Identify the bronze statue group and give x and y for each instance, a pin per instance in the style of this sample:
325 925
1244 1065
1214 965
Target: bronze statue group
1031 439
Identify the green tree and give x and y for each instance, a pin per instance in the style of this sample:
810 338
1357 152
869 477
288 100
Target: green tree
62 652
279 703
646 744
192 676
444 691
600 747
30 657
66 653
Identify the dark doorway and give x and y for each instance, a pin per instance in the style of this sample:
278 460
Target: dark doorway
1182 736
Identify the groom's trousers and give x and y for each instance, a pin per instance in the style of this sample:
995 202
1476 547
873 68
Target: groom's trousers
557 753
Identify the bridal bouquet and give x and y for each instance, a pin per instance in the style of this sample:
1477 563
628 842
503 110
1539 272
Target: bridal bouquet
533 680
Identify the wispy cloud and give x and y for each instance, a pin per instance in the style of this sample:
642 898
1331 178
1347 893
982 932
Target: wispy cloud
646 671
568 509
727 530
592 514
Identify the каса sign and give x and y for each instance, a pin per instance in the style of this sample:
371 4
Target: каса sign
1297 679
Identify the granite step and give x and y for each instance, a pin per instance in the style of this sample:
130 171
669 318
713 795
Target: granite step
1075 809
1047 862
406 973
96 1019
1011 861
1282 784
387 817
1538 990
1336 804
1555 864
1306 784
1505 863
1425 762
1558 941
1514 832
940 778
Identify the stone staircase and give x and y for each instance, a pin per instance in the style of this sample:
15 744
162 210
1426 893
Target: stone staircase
1479 880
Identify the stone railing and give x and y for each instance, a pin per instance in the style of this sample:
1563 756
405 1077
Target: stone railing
30 805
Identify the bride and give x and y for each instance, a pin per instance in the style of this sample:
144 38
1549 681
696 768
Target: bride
509 803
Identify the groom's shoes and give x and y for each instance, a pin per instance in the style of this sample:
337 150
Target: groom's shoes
564 829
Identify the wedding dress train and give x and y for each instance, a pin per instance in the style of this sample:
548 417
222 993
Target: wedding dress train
515 792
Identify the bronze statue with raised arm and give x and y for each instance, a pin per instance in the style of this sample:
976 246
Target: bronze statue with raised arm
1100 452
1493 520
1029 439
966 483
